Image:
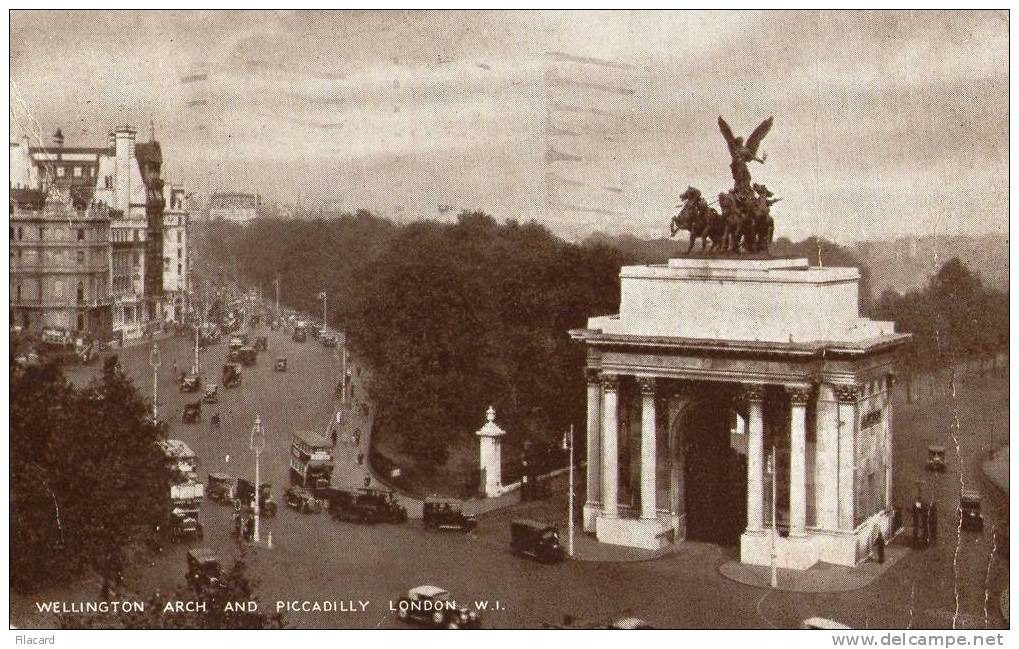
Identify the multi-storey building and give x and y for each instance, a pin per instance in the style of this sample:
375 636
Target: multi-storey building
59 264
235 207
176 257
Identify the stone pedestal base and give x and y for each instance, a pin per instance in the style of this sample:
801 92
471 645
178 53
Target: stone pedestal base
650 534
795 553
591 512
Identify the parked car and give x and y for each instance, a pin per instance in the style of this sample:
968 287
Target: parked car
302 500
204 569
823 624
244 496
435 607
231 375
261 344
222 488
346 505
211 393
936 458
535 539
387 503
328 340
191 383
192 412
248 356
623 624
969 510
300 334
281 364
447 513
184 525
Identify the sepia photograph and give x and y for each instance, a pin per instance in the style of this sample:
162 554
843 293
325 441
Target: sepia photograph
574 319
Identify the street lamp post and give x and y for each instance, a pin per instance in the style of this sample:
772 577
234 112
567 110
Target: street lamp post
277 283
325 303
773 472
257 444
568 445
155 362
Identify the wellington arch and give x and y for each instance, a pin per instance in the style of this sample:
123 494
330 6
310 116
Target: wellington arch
723 380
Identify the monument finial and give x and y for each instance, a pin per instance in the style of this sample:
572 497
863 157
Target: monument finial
490 414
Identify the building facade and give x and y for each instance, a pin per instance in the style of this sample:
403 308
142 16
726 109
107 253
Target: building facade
176 254
234 207
122 180
59 265
724 381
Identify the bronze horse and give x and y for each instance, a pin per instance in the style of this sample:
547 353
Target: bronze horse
703 222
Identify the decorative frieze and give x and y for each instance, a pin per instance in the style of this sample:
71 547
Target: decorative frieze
798 395
753 392
849 393
647 386
592 375
610 382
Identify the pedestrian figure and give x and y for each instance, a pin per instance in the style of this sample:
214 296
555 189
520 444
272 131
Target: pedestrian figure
932 522
919 523
879 547
367 481
249 529
360 459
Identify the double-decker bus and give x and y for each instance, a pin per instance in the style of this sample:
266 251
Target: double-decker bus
311 461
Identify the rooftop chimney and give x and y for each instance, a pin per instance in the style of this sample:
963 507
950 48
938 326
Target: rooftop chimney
58 138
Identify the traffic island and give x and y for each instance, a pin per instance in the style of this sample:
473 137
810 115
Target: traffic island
819 578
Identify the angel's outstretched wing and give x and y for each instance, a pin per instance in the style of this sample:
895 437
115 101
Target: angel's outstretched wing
755 138
727 133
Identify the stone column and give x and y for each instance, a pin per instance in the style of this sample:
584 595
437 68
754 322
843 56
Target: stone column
826 466
798 396
593 377
847 396
754 396
889 503
610 446
490 460
648 450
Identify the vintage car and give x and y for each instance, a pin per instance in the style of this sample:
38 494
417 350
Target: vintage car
184 525
435 607
191 383
204 570
231 375
328 340
222 487
302 500
248 356
244 496
236 343
535 539
969 510
243 337
346 505
936 458
447 514
262 344
823 624
387 503
623 624
192 412
300 334
211 393
281 364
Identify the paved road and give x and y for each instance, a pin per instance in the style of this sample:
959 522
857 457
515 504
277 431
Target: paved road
315 558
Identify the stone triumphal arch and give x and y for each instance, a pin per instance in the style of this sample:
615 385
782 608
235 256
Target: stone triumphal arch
723 381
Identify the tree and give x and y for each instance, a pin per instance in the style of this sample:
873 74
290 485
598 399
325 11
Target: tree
235 587
87 478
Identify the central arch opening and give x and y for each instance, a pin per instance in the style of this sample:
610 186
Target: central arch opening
714 474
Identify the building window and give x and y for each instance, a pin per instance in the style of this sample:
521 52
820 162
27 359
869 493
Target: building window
81 257
21 233
81 234
17 293
108 182
42 233
77 174
180 237
166 264
180 269
180 253
81 322
137 259
60 172
81 292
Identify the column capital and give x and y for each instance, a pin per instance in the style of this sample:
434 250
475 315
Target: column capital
610 382
799 395
753 392
592 375
847 393
647 385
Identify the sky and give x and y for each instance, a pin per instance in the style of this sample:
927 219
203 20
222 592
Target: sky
886 123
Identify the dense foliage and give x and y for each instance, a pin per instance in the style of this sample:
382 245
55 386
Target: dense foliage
87 478
235 587
454 317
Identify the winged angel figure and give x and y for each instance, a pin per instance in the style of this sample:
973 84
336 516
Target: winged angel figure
743 153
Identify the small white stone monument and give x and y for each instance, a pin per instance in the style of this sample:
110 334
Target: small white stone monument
491 455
